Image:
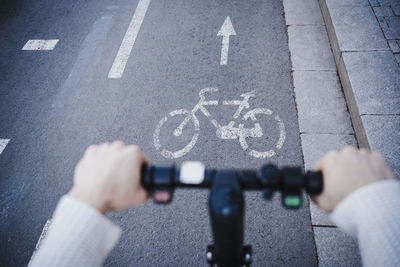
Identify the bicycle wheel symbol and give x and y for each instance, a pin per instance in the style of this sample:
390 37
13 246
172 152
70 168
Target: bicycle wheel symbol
282 134
185 114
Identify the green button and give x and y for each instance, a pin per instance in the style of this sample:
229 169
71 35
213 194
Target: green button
292 201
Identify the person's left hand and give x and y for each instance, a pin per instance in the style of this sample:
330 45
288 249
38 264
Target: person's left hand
108 177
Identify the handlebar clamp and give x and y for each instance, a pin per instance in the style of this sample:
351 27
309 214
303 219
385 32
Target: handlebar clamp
159 181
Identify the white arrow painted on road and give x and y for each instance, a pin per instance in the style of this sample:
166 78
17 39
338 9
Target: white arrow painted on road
226 31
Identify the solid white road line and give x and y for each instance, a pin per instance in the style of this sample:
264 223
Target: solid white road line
3 143
40 44
125 49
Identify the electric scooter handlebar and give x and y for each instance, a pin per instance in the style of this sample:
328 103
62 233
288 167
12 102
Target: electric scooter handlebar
161 181
226 201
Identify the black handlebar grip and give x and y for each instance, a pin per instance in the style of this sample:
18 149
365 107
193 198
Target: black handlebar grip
145 178
314 183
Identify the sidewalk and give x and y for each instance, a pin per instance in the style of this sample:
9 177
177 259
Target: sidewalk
365 39
324 120
346 76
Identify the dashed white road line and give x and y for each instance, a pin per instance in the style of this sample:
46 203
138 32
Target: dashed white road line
40 44
3 143
125 49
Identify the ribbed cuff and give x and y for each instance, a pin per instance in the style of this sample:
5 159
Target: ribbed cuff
79 217
79 235
368 204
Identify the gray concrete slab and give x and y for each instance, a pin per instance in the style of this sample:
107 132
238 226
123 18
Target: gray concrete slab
176 53
336 248
316 146
320 103
309 48
302 12
383 133
375 80
356 29
319 217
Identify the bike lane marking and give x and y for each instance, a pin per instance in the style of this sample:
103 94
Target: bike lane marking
224 132
40 44
226 31
118 67
3 144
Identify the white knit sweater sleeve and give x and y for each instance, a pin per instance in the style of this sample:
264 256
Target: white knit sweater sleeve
79 235
372 215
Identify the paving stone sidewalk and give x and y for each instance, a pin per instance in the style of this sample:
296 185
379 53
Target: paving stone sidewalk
388 14
365 39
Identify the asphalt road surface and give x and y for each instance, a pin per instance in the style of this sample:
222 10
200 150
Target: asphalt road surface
114 75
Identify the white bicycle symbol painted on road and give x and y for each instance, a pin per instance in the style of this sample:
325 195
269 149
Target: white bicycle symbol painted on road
224 132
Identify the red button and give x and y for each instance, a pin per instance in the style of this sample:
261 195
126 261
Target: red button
162 196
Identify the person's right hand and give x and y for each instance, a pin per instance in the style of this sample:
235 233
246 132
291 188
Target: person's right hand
346 171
